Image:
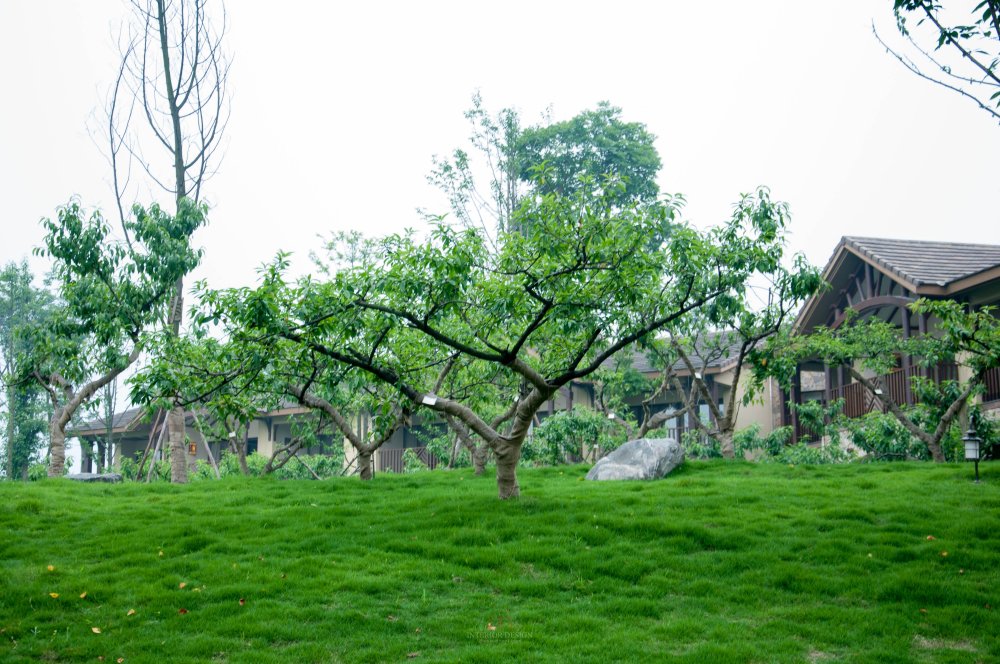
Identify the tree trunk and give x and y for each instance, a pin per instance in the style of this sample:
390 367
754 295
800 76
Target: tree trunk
57 445
507 457
937 454
178 453
241 454
365 471
10 430
479 455
725 438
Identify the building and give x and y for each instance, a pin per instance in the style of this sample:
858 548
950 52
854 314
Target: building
879 277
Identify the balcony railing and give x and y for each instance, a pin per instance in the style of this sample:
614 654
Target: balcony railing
991 379
897 385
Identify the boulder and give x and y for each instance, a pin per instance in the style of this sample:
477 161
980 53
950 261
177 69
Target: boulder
111 478
643 459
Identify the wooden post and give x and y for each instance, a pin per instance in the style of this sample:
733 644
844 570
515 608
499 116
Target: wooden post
795 397
906 361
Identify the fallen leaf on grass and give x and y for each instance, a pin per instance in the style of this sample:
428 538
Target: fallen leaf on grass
491 627
95 630
131 612
392 618
54 595
182 611
51 568
944 554
83 595
161 554
931 537
242 602
961 571
923 610
120 660
181 585
411 655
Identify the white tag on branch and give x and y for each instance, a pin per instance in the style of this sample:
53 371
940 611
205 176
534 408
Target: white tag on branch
611 416
429 400
232 434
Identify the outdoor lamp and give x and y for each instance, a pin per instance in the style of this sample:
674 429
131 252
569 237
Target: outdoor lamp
972 445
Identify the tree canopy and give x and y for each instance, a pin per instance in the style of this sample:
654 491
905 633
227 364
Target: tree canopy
585 277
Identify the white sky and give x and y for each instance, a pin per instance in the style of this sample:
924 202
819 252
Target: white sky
338 107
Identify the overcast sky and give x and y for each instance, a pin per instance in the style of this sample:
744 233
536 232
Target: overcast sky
338 107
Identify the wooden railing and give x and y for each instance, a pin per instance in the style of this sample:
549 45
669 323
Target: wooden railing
991 379
391 460
897 385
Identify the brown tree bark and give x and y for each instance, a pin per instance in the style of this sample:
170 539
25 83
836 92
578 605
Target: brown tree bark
178 451
57 442
507 457
479 456
365 471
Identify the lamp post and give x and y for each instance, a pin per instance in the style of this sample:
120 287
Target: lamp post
972 445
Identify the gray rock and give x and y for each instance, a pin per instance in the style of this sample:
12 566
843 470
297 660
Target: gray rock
112 478
643 459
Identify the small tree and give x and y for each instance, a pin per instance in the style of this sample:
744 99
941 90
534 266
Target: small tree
169 96
110 296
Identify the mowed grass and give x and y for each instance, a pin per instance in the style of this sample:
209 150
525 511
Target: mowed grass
719 562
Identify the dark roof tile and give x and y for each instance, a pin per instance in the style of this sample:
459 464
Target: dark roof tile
925 263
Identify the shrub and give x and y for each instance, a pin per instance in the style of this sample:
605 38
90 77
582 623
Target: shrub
568 436
412 462
883 438
698 446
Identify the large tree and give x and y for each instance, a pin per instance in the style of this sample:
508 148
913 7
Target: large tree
169 97
506 160
957 48
585 277
596 143
111 295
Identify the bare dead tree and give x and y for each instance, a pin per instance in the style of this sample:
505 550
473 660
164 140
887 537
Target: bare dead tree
169 98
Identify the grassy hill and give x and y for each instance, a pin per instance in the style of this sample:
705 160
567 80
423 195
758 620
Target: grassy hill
717 563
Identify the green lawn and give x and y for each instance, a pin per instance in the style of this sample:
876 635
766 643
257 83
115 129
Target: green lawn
717 563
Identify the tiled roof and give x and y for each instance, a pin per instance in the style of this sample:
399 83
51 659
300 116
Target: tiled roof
120 421
927 263
642 363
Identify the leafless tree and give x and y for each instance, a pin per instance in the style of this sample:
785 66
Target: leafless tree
169 98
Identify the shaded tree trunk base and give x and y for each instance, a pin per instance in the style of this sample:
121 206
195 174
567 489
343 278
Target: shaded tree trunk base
57 450
479 457
365 470
507 486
